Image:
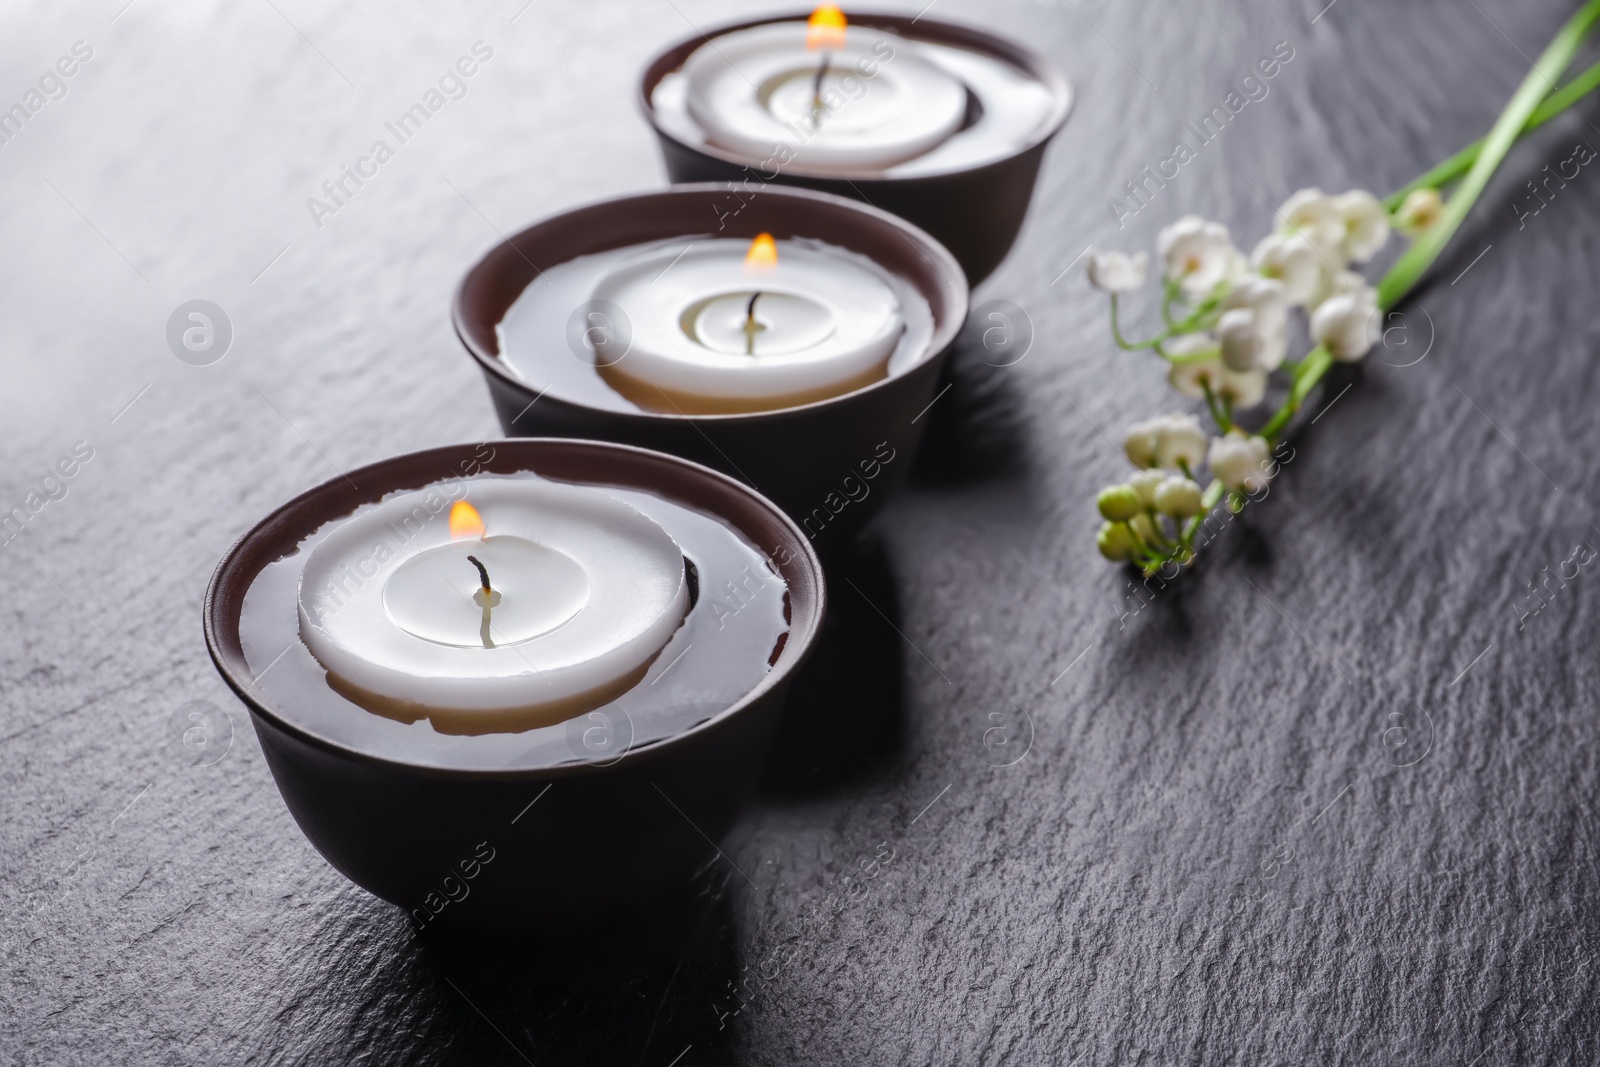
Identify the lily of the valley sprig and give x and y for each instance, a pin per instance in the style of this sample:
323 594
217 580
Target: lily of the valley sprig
1226 328
1225 319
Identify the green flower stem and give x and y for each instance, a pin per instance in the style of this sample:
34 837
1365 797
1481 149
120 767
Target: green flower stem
1301 368
1307 375
1208 500
1411 266
1421 255
1219 414
1125 344
1202 356
1532 105
1458 164
1195 320
1198 318
1184 550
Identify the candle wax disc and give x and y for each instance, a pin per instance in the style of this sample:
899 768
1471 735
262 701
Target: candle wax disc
535 589
826 322
586 591
1007 109
880 102
726 645
546 340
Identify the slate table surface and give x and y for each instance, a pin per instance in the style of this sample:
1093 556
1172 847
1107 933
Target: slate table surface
1326 800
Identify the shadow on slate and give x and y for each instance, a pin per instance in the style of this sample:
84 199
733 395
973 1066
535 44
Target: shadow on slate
972 435
843 716
639 990
1164 631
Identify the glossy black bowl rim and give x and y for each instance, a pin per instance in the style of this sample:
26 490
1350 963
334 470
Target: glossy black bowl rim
944 333
1008 49
803 632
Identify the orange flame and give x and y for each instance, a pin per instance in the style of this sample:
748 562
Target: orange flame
763 254
465 521
825 28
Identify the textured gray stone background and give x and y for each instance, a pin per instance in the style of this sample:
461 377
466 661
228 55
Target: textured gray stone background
1209 854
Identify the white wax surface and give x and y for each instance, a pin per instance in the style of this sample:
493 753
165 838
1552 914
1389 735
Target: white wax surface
753 91
826 324
711 662
587 591
535 590
541 337
1013 110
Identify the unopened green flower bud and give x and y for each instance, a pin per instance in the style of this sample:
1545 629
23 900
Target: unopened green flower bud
1178 497
1119 503
1114 542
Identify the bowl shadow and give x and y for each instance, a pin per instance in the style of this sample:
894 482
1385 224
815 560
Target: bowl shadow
843 719
644 986
973 435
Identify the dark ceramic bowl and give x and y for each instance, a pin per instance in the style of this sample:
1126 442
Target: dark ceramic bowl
608 835
975 212
808 459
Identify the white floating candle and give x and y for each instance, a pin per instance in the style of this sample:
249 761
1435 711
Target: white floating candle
825 99
558 596
721 326
893 104
548 337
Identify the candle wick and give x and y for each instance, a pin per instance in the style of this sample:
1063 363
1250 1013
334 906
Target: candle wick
483 573
751 326
816 83
485 633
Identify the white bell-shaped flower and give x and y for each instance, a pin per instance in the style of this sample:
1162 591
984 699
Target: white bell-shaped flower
1313 215
1188 378
1242 390
1191 378
1145 482
1243 343
1365 222
1254 329
1180 442
1292 260
1197 254
1240 462
1348 324
1141 441
1178 497
1117 272
1197 360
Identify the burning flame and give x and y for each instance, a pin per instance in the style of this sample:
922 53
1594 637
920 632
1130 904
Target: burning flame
464 521
825 28
763 254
